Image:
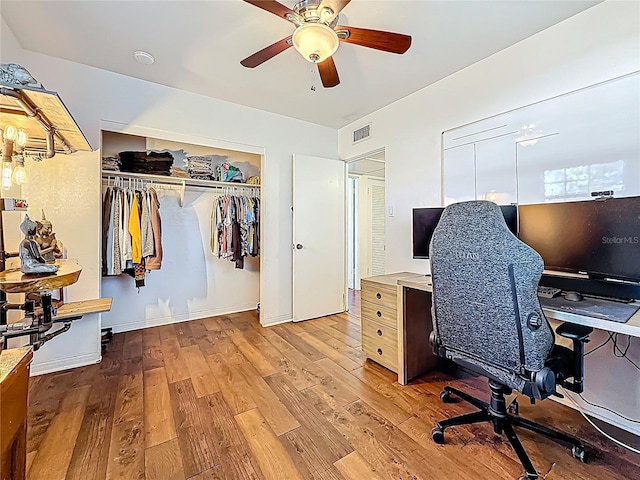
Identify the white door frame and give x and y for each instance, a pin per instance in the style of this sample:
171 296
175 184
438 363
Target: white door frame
347 162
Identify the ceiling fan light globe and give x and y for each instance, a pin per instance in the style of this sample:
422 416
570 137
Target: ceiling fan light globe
315 41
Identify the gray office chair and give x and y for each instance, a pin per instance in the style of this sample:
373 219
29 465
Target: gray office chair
487 318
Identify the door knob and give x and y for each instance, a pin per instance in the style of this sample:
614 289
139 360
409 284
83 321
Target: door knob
299 246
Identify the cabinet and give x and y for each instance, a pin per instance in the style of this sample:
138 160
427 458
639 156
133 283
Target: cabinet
559 149
383 332
396 323
14 385
379 316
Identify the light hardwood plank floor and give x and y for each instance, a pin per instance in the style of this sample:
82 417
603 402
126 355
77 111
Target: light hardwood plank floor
223 398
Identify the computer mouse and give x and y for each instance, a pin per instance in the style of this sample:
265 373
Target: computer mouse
573 296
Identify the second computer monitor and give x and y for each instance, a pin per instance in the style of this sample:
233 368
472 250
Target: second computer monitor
425 221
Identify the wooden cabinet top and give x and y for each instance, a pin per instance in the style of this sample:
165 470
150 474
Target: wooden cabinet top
12 358
391 279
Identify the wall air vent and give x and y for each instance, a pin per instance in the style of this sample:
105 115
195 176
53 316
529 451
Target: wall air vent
362 133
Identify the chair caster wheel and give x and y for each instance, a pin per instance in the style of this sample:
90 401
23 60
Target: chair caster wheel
514 407
438 436
580 453
446 397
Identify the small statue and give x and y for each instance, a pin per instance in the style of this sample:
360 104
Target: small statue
14 74
31 261
50 247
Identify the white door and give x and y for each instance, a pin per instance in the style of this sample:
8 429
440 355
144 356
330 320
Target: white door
378 213
318 237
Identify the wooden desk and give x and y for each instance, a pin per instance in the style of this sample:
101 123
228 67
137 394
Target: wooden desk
409 323
415 355
14 385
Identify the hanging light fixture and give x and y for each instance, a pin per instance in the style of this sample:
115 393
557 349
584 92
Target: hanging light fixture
19 175
13 137
6 175
315 41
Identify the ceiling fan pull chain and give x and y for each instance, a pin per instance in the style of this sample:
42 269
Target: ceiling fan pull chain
314 76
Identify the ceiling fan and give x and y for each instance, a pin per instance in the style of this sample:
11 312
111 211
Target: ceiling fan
318 35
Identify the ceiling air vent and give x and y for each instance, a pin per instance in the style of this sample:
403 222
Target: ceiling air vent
362 133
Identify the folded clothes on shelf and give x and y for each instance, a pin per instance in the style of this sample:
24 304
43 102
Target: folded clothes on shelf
111 164
156 163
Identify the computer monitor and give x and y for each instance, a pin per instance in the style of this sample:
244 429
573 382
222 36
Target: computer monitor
598 237
425 221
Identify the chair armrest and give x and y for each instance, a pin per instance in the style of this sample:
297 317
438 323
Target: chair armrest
579 335
574 332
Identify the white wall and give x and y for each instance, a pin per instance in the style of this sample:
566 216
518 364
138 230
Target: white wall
593 46
68 189
93 95
596 45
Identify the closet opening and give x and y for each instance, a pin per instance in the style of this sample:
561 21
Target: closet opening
366 207
207 200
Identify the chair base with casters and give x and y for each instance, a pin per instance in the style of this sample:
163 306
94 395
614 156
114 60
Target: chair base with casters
497 412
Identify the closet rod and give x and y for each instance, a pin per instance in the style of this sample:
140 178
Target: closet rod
176 180
178 184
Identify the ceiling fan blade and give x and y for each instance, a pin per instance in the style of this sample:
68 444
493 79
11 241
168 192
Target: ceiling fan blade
385 41
274 7
266 53
328 73
335 5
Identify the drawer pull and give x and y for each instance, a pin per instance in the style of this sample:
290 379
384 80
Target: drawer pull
379 313
378 296
379 332
379 351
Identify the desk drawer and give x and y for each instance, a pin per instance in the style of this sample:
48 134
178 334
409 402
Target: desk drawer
380 295
377 313
380 343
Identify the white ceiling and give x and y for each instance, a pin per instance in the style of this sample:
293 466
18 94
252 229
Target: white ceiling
367 166
198 46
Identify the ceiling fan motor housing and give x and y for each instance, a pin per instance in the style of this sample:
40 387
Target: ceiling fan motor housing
308 10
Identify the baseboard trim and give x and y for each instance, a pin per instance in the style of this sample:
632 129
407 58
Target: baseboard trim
186 317
41 368
270 322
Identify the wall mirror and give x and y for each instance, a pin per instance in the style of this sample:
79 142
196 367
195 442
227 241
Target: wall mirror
559 149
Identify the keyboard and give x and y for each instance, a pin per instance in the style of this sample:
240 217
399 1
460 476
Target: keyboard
548 292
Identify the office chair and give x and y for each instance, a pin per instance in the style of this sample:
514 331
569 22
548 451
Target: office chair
487 318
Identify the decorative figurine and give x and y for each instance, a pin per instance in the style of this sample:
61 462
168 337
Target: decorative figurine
50 247
14 74
31 261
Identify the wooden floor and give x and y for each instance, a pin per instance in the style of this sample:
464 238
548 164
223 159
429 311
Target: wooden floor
223 398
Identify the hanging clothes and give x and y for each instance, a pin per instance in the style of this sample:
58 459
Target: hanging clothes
154 262
132 232
234 227
106 212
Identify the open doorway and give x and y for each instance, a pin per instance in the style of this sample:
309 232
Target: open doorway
366 207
